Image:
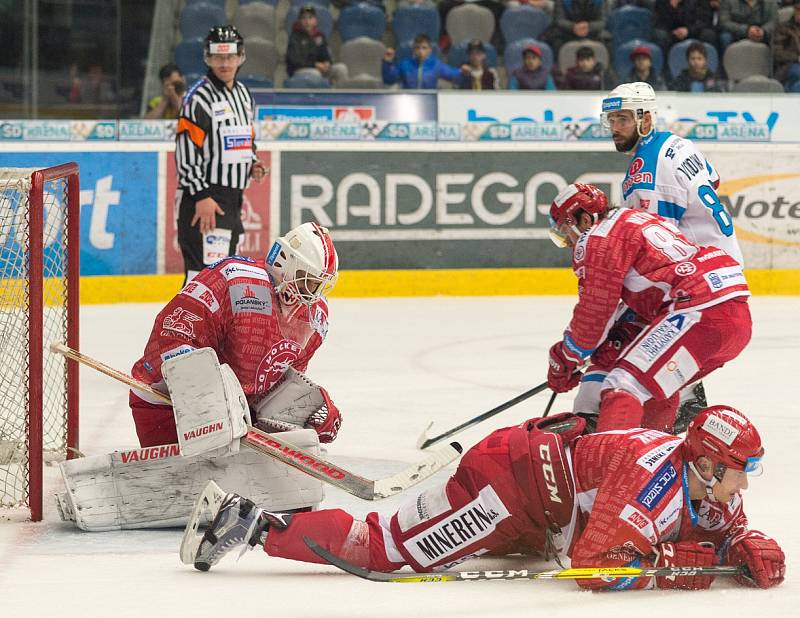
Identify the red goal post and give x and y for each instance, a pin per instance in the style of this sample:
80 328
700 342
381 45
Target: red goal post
39 304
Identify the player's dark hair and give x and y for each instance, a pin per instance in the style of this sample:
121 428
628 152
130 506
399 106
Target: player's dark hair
422 38
698 47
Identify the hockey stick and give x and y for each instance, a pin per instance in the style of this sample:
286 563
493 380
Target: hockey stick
509 574
549 404
424 441
274 446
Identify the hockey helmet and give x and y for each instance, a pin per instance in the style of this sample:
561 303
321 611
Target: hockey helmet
727 438
303 264
637 97
566 205
224 40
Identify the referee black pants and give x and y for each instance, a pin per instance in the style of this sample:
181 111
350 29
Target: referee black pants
191 241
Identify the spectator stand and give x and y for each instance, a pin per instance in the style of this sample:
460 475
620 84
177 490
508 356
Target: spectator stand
361 20
676 59
519 22
745 58
622 57
567 55
458 54
513 54
628 23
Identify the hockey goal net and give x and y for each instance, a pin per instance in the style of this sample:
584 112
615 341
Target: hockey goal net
39 273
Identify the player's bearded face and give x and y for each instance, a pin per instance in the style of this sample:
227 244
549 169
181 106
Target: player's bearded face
623 130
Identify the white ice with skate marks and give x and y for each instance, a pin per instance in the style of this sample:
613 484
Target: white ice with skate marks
392 365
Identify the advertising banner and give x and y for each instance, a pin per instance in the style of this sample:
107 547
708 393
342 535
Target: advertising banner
344 106
255 217
425 209
726 117
763 195
119 195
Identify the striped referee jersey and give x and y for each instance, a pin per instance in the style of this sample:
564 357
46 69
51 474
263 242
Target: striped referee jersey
215 137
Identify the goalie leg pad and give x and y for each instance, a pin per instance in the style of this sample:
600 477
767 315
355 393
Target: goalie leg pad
208 402
157 487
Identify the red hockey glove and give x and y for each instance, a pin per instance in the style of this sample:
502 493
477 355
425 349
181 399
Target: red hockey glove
761 555
561 376
619 337
327 420
685 553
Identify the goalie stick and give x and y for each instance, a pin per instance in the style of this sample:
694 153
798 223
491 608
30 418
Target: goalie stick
511 574
273 446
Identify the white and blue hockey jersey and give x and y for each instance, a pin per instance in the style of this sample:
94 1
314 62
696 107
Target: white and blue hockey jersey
668 176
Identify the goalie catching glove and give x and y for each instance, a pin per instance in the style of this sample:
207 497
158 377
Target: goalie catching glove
296 402
685 553
761 555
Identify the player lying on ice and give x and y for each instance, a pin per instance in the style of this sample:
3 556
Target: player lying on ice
637 497
691 304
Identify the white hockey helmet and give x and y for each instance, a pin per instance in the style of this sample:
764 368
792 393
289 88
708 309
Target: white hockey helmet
303 264
638 97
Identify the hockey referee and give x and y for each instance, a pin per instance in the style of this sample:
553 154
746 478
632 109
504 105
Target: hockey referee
215 155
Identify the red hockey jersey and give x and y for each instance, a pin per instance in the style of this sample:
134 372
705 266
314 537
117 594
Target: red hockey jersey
633 483
643 260
232 307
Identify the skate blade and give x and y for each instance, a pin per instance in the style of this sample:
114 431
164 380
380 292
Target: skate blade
207 504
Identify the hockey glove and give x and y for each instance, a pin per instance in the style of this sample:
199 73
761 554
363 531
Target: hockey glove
562 375
761 555
327 420
685 553
619 337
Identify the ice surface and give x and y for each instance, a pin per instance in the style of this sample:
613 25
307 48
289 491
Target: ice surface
392 365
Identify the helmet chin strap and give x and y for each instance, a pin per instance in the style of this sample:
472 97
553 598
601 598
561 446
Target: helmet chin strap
719 471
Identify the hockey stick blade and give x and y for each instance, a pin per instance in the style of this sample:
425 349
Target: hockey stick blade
512 574
424 441
276 447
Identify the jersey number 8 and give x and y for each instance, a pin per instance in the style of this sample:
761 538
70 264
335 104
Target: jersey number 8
670 245
709 197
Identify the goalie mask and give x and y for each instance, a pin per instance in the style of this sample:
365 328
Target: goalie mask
567 206
303 264
726 437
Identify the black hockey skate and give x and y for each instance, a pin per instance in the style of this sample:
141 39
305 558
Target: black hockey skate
689 408
239 523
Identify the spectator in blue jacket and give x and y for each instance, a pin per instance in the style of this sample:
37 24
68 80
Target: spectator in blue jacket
422 70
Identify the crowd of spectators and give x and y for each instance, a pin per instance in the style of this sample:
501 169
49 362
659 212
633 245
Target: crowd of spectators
703 30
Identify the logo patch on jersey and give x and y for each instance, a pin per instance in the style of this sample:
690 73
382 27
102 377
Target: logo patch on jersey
238 142
636 166
429 504
685 269
659 339
251 298
580 251
273 253
272 367
472 522
725 277
235 270
181 322
653 458
639 521
174 352
201 292
319 322
721 429
612 103
671 515
659 485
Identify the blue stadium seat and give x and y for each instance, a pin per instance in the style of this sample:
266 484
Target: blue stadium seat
189 56
361 20
520 22
630 22
219 3
197 19
255 81
306 79
410 21
676 59
622 57
324 18
270 2
458 54
300 3
513 54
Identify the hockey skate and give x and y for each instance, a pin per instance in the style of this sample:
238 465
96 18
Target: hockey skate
692 403
239 523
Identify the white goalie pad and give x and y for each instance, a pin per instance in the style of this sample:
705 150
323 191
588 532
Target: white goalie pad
290 402
157 487
210 408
